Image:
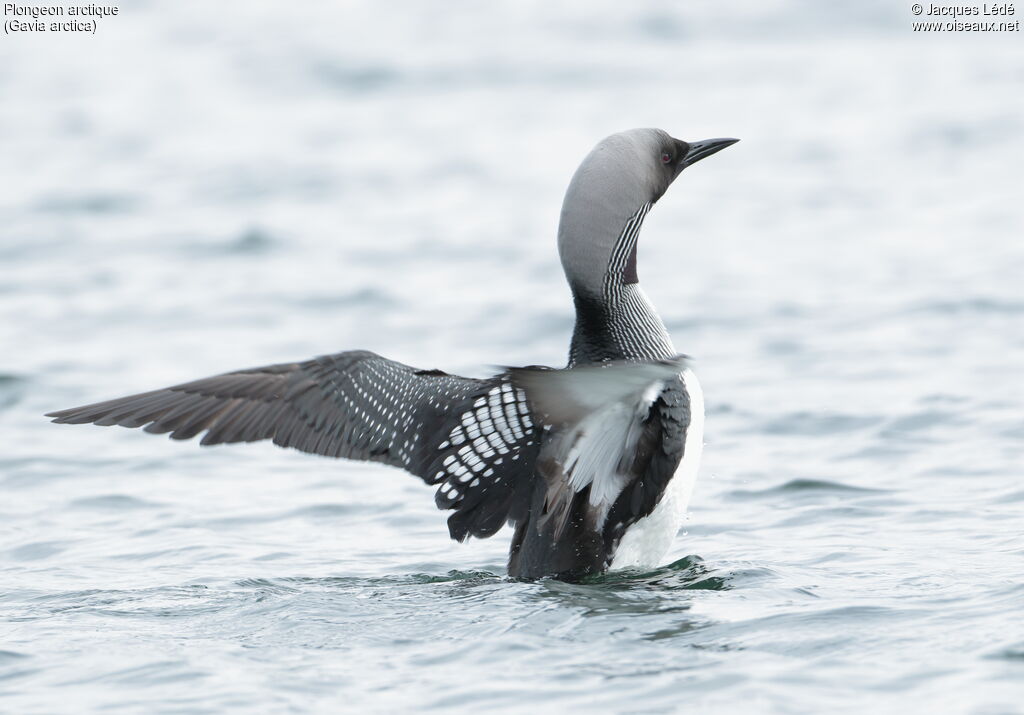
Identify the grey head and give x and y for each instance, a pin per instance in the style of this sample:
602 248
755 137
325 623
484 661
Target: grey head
610 194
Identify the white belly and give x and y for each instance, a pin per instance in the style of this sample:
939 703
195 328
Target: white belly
645 544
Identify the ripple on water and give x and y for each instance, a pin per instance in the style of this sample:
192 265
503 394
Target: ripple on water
157 554
156 673
12 387
1013 653
14 665
687 573
37 550
10 656
813 424
250 241
377 298
980 305
913 425
318 513
112 502
800 488
86 203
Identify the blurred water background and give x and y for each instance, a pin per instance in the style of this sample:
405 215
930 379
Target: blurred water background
201 187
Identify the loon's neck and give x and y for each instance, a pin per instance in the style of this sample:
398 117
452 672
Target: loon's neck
621 324
614 318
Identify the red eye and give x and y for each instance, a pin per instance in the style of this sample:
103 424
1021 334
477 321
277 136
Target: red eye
666 158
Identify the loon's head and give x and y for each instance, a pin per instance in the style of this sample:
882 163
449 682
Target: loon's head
611 189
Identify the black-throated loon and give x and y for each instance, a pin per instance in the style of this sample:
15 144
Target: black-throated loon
592 464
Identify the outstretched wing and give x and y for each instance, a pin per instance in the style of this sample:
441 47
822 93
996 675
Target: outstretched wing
474 437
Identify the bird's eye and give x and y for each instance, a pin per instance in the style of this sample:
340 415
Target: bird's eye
666 158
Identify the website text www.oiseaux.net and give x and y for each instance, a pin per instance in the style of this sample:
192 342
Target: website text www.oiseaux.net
965 18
